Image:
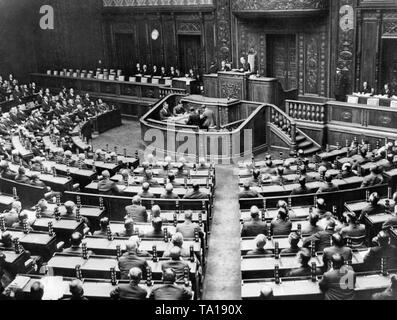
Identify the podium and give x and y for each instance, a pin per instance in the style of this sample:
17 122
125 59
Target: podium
233 85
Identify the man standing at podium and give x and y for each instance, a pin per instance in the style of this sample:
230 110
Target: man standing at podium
245 66
341 86
207 118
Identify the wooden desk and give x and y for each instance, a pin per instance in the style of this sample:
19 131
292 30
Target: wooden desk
99 266
295 213
58 183
16 143
332 155
38 243
139 180
358 206
63 228
383 102
134 190
16 261
56 287
5 202
103 246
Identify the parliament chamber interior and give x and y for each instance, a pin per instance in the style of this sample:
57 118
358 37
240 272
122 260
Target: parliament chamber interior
198 150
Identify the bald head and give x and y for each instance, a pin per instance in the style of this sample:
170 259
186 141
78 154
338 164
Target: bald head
189 215
156 211
136 200
131 246
135 275
169 275
177 239
106 174
254 212
169 188
145 186
76 288
175 253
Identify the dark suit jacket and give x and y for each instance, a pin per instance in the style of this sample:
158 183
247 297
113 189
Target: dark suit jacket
177 266
331 282
195 195
170 291
194 120
321 238
254 228
137 213
372 260
129 291
345 252
128 261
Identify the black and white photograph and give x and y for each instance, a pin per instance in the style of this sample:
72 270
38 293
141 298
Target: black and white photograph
205 153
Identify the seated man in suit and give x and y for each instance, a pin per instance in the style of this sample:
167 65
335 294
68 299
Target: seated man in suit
169 194
76 290
353 229
294 240
35 181
22 177
103 223
224 66
75 244
22 219
312 227
322 239
188 228
248 193
136 211
6 172
330 284
128 228
165 112
156 231
145 194
346 171
373 207
148 178
305 268
11 216
339 247
179 110
177 241
245 66
194 118
132 290
169 290
107 186
130 260
195 193
328 186
6 241
282 225
260 243
176 264
171 179
390 293
302 189
372 260
156 213
366 88
374 178
255 226
207 118
387 92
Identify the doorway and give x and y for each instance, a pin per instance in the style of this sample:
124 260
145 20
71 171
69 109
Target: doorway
282 59
125 52
190 53
389 63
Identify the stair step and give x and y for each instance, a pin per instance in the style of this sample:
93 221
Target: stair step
305 144
300 138
311 151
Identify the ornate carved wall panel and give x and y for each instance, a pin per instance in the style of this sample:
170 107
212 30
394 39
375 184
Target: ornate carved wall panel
242 5
151 3
224 29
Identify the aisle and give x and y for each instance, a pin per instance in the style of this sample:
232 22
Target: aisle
223 272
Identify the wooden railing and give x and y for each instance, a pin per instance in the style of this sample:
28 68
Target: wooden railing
165 91
283 122
306 111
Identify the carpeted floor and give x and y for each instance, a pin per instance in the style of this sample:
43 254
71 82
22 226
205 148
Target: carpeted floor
223 272
127 136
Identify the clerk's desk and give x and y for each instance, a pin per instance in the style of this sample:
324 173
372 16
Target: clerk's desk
99 266
363 99
58 183
263 266
134 190
37 243
304 288
56 287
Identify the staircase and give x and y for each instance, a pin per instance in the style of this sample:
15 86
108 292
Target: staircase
306 144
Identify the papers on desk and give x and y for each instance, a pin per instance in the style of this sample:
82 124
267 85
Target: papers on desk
19 282
54 288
